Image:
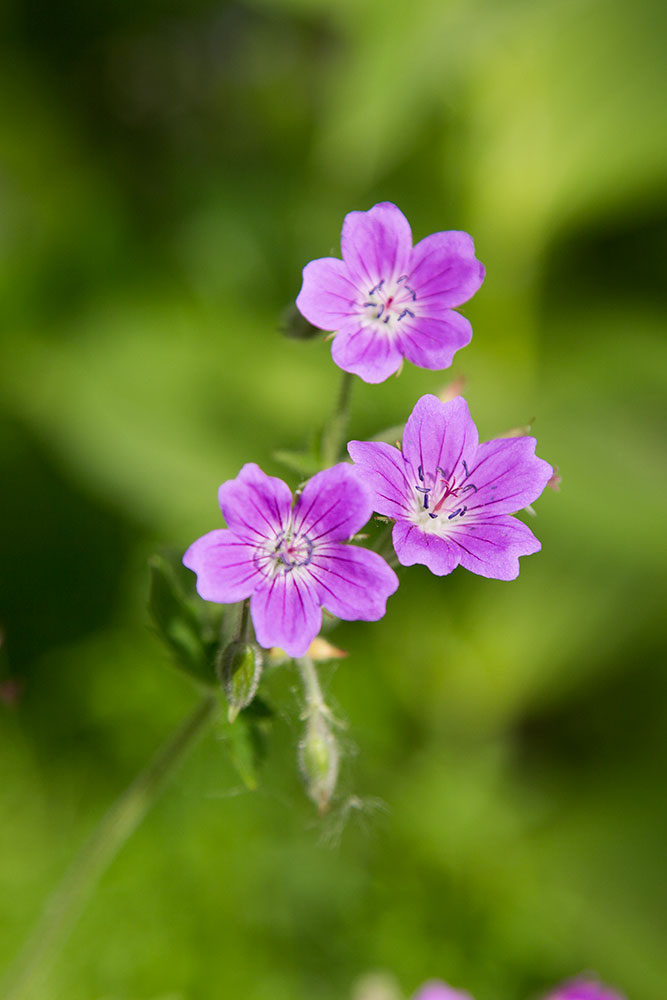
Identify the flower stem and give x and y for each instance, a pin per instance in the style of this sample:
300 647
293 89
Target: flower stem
334 431
62 910
311 685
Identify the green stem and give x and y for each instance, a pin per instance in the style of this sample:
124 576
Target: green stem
66 904
244 621
334 431
311 685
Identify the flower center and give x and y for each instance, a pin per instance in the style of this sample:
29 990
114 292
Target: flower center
291 551
441 496
390 302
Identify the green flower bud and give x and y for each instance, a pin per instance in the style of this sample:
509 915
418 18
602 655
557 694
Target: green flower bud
239 670
318 761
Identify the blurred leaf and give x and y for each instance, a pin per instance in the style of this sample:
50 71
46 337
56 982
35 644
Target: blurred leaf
179 625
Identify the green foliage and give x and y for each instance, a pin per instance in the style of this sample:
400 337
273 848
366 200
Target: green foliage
181 624
166 170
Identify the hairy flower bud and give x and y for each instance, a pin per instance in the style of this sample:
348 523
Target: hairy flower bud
318 761
239 669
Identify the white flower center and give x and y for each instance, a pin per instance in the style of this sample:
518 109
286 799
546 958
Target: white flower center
440 499
389 303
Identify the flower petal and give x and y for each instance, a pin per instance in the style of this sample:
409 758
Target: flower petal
328 295
376 244
254 505
440 435
436 990
413 545
432 342
353 583
333 505
225 568
286 613
491 546
382 468
507 475
444 271
371 355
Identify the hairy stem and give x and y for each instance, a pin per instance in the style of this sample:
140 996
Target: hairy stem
311 685
64 907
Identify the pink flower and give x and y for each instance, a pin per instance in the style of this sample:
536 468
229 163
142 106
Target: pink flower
289 558
450 496
387 300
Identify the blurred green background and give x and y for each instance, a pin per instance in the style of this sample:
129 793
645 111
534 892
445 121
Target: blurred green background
166 169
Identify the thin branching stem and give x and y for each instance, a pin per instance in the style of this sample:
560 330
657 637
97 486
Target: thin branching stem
334 431
31 967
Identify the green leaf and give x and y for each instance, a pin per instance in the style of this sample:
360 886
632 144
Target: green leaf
180 624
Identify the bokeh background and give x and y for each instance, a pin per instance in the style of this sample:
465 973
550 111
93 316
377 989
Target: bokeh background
166 169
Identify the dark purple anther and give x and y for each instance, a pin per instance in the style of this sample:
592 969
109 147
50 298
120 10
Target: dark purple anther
376 288
470 486
432 515
465 467
459 510
407 312
420 473
381 311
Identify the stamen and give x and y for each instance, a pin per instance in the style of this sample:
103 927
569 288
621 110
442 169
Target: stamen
407 312
463 463
376 288
403 277
432 515
459 510
423 489
380 312
386 319
374 305
420 473
442 472
470 486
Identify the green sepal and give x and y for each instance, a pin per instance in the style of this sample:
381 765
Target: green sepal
239 669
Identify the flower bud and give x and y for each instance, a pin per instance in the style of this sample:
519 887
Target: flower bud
239 669
295 326
318 761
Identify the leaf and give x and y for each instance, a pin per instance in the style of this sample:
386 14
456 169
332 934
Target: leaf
180 624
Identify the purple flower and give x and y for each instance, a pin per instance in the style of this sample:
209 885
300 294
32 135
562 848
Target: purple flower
450 496
388 300
583 989
289 556
435 990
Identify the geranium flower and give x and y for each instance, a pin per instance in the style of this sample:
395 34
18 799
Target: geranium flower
584 989
435 990
450 496
387 300
289 557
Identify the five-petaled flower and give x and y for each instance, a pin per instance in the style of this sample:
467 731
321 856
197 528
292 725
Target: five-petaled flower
289 557
450 496
387 300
